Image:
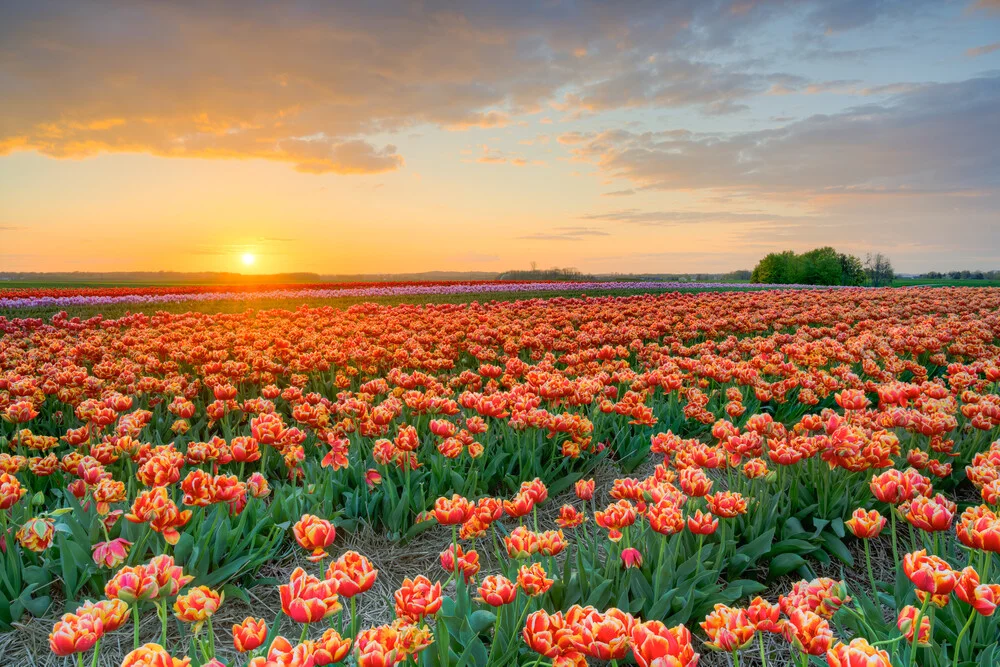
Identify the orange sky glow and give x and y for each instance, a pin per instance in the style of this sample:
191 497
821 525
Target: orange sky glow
395 137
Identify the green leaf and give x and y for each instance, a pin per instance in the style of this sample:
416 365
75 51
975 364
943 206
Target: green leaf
757 547
482 619
837 548
785 563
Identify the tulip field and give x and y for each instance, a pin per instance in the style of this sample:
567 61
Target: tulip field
770 477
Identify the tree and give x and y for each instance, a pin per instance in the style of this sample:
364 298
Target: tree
819 267
879 269
777 268
852 271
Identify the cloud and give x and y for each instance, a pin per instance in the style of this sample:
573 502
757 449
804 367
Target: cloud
619 193
321 85
673 218
988 5
930 139
565 234
983 50
474 257
495 156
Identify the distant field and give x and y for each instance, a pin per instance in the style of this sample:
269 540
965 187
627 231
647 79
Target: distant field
239 305
944 282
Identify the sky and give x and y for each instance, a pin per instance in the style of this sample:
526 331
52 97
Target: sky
379 137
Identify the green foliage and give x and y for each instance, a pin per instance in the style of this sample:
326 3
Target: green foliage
820 266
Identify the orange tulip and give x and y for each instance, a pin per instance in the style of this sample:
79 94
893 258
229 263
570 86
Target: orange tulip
20 412
866 525
314 534
170 578
907 617
808 632
353 573
616 517
665 517
520 506
654 644
330 648
540 633
283 654
570 517
551 542
250 634
10 491
536 490
726 504
603 636
497 590
584 489
197 606
981 597
532 580
76 633
113 613
417 598
111 554
702 524
930 514
452 511
306 599
132 584
257 486
153 655
728 628
521 543
929 573
859 653
162 514
631 558
695 483
36 534
764 615
823 596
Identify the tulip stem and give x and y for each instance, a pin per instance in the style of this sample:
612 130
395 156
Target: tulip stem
161 611
871 574
961 635
211 637
354 617
305 632
916 631
895 552
889 641
697 558
135 624
760 645
496 636
97 650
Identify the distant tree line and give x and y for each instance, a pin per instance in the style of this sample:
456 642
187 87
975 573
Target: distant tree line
823 266
555 273
961 275
572 274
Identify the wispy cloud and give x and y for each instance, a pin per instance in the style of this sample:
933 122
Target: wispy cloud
983 50
565 234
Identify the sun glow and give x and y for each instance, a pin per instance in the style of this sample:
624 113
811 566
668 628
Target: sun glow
248 259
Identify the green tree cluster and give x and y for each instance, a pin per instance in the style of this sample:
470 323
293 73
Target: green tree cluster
820 266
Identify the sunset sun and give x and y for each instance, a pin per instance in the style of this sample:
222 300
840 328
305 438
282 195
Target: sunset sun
248 259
